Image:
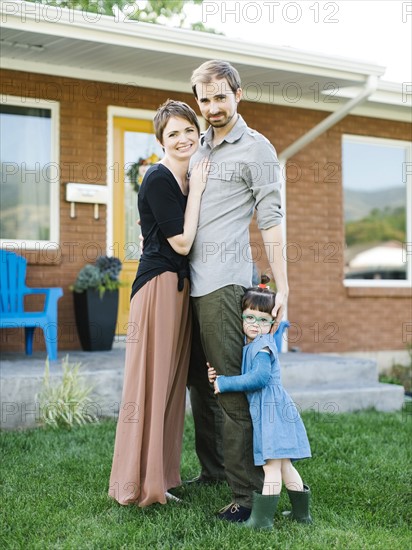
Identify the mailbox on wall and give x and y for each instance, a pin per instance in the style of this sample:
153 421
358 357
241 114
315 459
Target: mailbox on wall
84 192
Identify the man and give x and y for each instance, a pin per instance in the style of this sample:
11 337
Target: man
244 175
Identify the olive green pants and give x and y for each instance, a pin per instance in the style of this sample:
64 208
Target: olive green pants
223 425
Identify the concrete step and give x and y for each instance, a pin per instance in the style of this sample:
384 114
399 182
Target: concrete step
323 384
333 384
332 400
299 369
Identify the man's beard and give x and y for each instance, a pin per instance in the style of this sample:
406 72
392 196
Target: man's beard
222 123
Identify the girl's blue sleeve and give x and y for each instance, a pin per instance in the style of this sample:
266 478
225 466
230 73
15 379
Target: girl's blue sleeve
255 379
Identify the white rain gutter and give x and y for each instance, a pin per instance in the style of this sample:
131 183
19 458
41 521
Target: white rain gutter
328 122
370 87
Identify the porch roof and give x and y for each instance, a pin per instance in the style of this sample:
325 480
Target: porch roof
64 42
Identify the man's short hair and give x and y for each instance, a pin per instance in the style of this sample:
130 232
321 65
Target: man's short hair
215 69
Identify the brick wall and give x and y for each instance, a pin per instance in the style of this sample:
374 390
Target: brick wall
326 317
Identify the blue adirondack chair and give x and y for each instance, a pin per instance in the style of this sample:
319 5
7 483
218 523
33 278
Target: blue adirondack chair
283 325
12 314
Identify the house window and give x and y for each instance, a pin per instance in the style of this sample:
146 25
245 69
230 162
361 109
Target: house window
29 172
376 176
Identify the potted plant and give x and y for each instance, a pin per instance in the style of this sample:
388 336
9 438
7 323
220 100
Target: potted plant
96 300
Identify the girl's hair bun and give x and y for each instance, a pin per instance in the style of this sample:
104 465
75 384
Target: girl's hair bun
264 281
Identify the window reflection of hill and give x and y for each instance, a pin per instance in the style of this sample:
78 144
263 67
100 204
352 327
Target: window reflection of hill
359 204
25 204
25 222
388 224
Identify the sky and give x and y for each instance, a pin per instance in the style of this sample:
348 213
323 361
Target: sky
361 171
376 31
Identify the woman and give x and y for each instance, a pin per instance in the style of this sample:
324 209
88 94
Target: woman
149 432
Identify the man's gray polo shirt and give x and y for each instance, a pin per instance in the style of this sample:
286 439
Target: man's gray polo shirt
244 175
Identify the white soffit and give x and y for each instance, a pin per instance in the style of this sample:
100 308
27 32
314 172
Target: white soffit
48 40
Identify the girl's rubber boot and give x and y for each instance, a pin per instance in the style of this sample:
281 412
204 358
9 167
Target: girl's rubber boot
263 511
300 505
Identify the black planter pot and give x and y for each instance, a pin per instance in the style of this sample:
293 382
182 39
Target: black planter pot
96 318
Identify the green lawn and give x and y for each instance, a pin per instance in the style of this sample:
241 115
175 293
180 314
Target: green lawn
54 492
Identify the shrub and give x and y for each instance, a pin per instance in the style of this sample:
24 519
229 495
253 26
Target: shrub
65 403
400 374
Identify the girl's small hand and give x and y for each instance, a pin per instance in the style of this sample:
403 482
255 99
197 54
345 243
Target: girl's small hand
198 176
216 387
211 373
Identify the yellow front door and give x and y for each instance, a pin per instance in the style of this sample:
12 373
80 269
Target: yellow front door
134 148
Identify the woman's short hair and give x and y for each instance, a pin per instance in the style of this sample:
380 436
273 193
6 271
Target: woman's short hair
170 109
260 298
215 69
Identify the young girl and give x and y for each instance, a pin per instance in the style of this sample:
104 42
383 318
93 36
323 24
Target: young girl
279 435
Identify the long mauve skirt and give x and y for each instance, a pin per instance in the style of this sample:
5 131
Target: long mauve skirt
149 433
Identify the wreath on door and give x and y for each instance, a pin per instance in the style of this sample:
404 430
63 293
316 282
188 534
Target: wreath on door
139 168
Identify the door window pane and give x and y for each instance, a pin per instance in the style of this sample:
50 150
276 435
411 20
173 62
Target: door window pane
25 156
375 214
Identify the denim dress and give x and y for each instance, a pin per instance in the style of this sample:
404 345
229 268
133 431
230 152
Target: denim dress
278 430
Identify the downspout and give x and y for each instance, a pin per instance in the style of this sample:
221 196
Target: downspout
316 131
